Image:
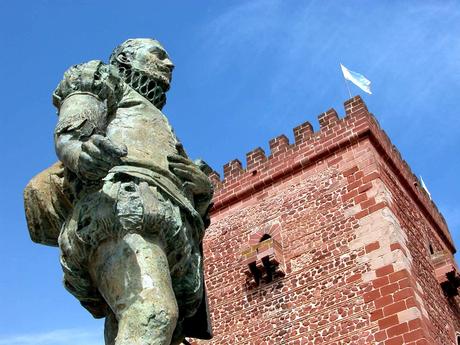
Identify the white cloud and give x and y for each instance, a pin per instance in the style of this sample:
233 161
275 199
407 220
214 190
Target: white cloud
291 51
231 34
55 337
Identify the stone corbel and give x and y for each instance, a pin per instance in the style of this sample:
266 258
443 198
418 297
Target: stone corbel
262 260
446 272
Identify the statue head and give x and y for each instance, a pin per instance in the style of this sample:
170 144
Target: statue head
144 56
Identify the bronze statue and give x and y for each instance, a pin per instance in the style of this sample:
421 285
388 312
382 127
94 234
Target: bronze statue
126 206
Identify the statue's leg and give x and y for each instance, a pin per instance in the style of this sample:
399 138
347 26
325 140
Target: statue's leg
110 329
132 275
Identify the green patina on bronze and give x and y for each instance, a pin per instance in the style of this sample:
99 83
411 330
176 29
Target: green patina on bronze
125 204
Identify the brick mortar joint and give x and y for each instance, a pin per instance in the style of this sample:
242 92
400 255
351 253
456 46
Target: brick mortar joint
312 137
252 188
332 341
237 264
307 233
378 138
313 314
327 277
405 176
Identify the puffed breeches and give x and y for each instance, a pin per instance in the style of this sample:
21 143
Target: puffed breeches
120 208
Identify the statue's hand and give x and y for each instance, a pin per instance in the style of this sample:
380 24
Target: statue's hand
194 180
98 155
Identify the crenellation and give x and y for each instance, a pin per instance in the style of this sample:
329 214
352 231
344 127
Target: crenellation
232 169
278 145
215 179
255 158
349 227
394 158
328 119
311 147
303 132
353 105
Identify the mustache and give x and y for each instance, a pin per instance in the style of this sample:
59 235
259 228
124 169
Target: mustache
155 68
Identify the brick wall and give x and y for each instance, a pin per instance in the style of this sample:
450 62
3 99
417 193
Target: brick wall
352 251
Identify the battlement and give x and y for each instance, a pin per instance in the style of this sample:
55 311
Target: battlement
310 147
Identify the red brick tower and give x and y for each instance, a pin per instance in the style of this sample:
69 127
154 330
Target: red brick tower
329 240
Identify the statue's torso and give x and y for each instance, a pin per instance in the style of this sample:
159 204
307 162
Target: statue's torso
144 130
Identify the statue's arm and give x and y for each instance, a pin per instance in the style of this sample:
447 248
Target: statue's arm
85 98
79 137
68 150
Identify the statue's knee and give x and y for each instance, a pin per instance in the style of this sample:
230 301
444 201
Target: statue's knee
154 311
166 310
164 317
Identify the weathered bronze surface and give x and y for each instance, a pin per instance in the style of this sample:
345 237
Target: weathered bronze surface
125 204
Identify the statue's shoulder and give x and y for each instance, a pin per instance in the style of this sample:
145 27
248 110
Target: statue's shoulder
95 77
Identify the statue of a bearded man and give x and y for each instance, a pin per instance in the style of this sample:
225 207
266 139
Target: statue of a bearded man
126 205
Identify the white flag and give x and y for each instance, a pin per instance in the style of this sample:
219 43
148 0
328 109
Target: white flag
424 186
358 79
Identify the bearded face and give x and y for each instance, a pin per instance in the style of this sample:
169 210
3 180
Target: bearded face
145 66
154 62
147 57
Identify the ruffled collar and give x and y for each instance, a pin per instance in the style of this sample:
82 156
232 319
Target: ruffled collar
145 85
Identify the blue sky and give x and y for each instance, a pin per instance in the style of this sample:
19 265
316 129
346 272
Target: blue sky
246 71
